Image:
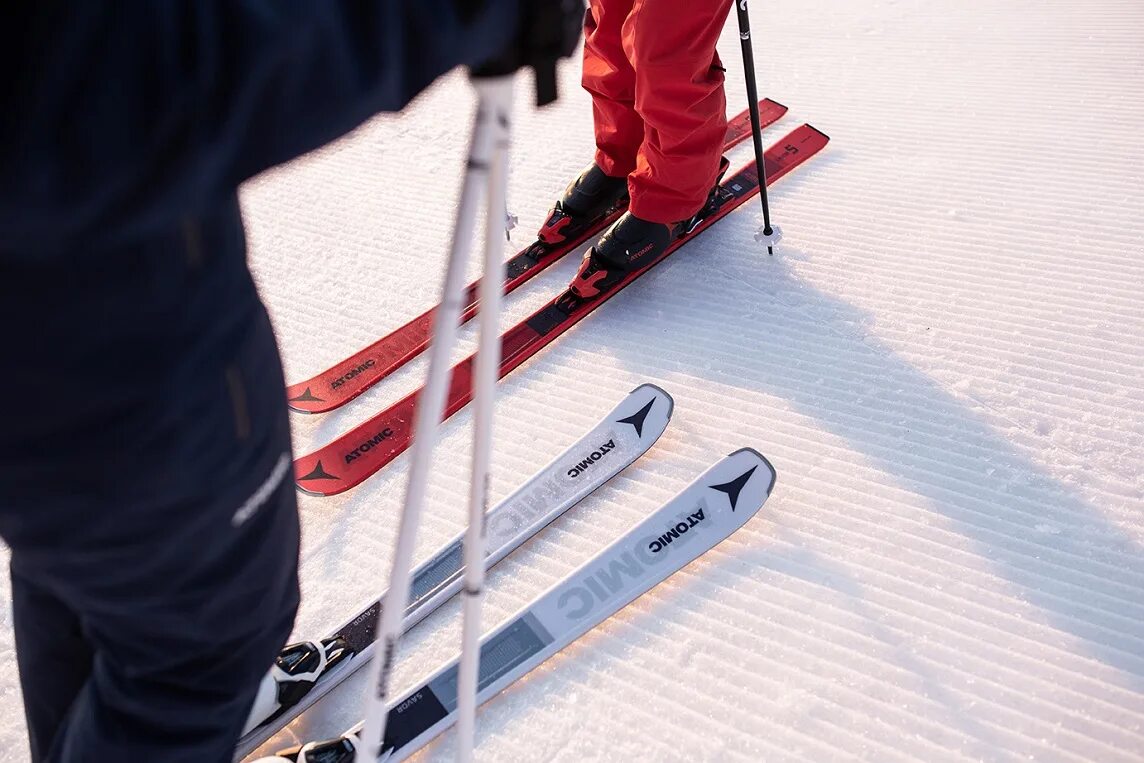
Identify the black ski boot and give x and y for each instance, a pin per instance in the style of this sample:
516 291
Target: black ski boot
630 243
587 200
633 243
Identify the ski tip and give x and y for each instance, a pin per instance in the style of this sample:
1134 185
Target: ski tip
325 492
776 103
302 489
300 398
647 409
310 408
820 132
313 479
662 392
765 462
308 491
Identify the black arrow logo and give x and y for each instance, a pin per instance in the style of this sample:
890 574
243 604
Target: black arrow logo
318 474
637 418
307 397
735 486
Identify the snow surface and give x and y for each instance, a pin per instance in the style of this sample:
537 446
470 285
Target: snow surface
943 361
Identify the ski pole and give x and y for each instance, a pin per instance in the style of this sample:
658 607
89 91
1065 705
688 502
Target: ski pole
485 380
494 101
769 235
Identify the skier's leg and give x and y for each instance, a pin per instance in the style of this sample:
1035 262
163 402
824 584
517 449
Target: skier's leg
53 657
679 95
175 674
177 663
609 77
183 575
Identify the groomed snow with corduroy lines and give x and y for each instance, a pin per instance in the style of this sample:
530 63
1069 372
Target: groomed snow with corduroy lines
944 360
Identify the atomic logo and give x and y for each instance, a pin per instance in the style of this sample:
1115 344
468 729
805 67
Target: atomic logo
318 473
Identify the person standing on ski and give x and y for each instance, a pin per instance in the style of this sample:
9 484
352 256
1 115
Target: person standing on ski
660 116
145 459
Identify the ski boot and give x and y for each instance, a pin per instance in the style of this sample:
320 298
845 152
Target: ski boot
633 243
295 671
340 750
588 199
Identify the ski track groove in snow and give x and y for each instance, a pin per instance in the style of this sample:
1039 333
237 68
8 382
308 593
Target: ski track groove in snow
700 315
902 407
989 622
831 670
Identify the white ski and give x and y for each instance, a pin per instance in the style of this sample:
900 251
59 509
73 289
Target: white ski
305 672
703 514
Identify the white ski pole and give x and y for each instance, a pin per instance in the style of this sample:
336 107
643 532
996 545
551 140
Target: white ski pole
430 407
499 95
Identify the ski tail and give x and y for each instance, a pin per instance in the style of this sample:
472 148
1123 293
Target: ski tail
301 676
705 513
358 454
347 379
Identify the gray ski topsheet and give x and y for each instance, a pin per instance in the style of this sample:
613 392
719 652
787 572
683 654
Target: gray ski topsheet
703 514
615 443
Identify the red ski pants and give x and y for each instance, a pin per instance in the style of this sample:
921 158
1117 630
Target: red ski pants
657 97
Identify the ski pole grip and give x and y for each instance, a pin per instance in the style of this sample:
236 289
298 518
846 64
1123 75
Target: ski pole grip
549 31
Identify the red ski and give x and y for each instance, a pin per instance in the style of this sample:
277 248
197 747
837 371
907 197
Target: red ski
343 382
356 455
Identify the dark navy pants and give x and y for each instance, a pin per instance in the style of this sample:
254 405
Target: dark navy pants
154 576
